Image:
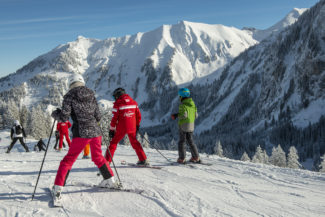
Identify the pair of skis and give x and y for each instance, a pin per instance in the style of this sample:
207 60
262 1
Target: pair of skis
190 164
123 162
57 199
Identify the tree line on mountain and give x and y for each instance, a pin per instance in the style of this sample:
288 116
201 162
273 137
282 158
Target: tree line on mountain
308 142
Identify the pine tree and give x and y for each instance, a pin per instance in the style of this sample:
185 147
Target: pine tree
2 111
278 157
126 141
39 123
1 122
316 157
258 156
146 141
139 138
245 157
48 124
293 158
265 157
218 149
173 145
24 113
11 113
322 166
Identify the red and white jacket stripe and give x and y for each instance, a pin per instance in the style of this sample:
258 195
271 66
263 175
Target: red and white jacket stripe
126 115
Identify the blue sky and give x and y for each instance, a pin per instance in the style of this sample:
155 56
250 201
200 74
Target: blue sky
29 28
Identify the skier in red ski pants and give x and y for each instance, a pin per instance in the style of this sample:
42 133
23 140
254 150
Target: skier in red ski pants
81 105
63 128
126 120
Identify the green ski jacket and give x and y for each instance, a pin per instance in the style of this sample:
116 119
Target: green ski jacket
187 113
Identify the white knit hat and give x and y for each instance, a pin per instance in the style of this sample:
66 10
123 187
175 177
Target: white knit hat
76 78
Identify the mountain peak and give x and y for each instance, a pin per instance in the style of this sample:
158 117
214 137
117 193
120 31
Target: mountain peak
288 20
80 37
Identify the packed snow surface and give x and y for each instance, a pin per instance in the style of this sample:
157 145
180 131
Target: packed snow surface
227 188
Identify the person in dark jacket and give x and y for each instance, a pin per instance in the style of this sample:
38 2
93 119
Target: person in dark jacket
40 146
187 113
80 104
17 133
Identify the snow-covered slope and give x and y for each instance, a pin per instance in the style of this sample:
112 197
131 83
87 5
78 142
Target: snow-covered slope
288 20
227 188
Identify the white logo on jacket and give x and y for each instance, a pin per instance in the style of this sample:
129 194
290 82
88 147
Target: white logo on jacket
128 114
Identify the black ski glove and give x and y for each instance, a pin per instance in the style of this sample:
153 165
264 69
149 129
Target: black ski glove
111 134
138 128
55 114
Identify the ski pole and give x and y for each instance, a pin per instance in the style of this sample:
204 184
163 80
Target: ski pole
39 174
157 149
108 151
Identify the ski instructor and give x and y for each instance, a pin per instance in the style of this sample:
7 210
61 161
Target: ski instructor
80 103
126 120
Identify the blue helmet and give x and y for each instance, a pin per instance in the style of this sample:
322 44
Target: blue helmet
184 92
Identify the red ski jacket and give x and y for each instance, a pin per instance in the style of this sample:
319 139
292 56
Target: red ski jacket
126 115
63 127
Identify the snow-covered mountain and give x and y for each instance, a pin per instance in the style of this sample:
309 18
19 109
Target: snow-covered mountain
187 50
288 20
143 63
227 188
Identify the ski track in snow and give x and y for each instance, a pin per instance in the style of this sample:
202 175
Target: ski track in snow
227 188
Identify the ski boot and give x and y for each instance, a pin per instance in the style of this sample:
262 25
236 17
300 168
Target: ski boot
195 160
143 163
86 157
56 195
181 161
110 183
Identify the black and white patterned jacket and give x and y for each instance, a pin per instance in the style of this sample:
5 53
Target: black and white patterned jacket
80 103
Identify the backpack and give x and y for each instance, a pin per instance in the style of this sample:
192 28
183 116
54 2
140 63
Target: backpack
19 130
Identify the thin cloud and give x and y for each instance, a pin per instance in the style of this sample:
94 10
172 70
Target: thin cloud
34 36
38 20
29 28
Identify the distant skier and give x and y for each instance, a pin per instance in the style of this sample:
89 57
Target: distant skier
126 120
80 103
63 128
57 139
17 133
40 146
187 113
